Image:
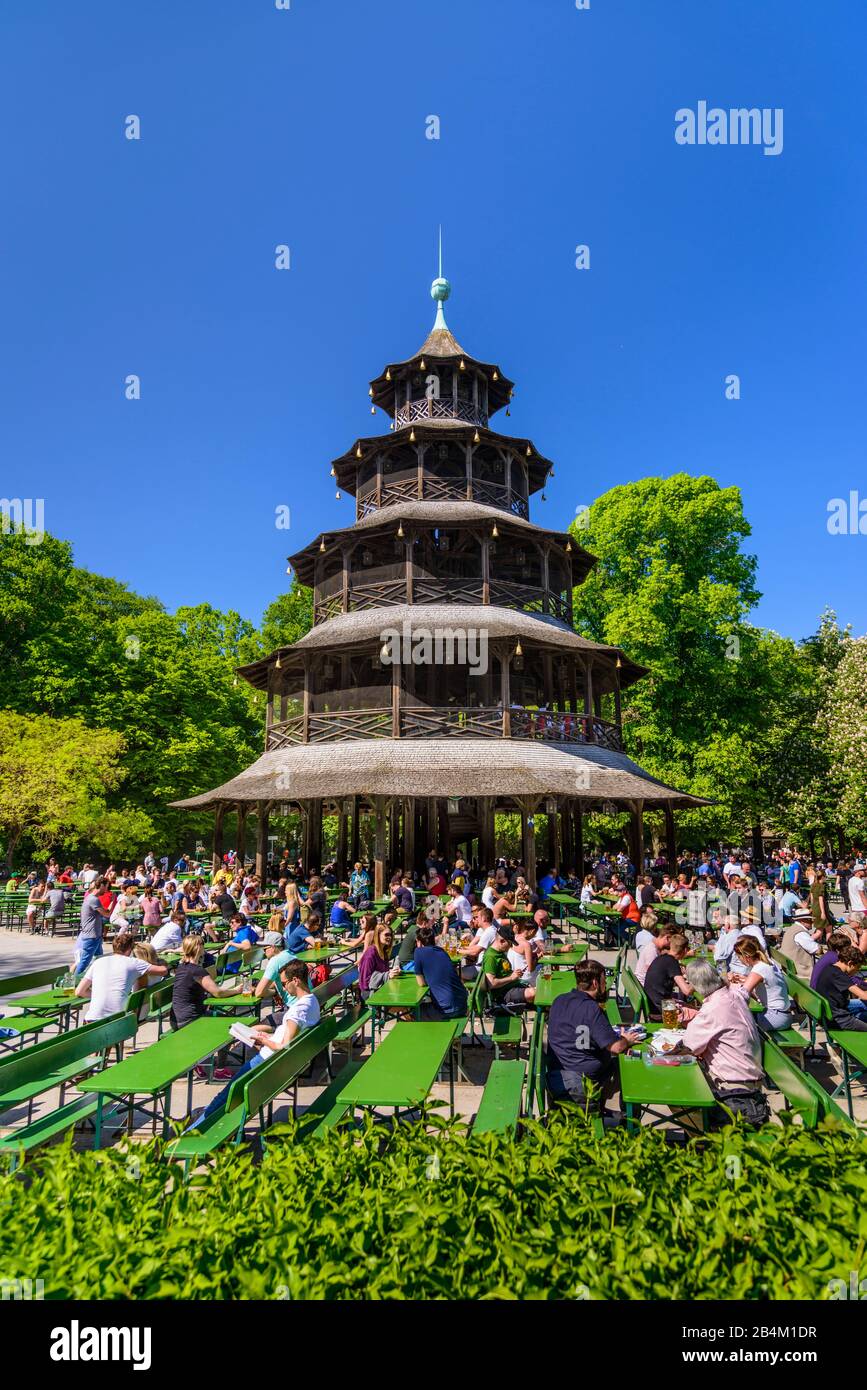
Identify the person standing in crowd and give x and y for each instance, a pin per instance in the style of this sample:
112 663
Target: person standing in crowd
94 914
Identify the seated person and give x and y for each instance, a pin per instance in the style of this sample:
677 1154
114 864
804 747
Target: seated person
582 1045
835 941
243 938
759 976
110 980
170 936
473 954
847 999
658 939
374 967
801 942
276 956
448 998
723 1034
305 936
341 915
302 1013
730 935
503 979
665 978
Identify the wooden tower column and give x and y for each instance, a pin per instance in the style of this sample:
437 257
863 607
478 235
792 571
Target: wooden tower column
314 848
579 839
219 813
409 833
354 832
241 846
262 808
637 836
670 837
379 848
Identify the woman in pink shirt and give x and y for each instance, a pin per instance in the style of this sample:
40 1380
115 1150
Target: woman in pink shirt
152 914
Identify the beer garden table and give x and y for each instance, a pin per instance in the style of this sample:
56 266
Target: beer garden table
405 991
404 1067
681 1088
153 1071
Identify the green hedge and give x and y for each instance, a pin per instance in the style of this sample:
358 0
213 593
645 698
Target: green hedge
438 1214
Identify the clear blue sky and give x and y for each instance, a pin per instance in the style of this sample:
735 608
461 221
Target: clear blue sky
307 127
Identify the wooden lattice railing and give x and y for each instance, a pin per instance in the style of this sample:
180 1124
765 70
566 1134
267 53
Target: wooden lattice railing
446 408
448 721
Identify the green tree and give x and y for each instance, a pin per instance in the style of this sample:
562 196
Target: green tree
55 778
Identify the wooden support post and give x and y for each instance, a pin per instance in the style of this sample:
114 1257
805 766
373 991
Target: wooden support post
395 699
486 570
528 833
505 695
409 575
355 832
306 705
314 849
219 813
637 827
241 846
409 833
341 841
469 471
617 716
379 849
344 603
262 808
670 838
579 839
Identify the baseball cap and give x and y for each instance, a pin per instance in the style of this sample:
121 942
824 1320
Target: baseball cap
505 931
272 938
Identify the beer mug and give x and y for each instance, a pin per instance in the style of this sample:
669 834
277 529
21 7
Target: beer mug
670 1013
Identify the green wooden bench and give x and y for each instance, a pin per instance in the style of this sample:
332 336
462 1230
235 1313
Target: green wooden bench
26 1025
500 1107
253 1093
56 1063
636 996
785 963
327 1110
792 1084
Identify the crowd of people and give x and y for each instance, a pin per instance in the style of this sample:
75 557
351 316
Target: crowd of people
450 923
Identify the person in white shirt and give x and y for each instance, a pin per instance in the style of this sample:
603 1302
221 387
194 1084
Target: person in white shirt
483 921
658 939
490 894
87 875
168 937
731 867
458 906
126 901
728 939
759 976
110 980
301 1014
858 893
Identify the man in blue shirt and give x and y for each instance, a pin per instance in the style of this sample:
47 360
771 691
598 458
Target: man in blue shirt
244 936
582 1045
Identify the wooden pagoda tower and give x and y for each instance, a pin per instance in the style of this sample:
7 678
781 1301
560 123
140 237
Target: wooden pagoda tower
434 739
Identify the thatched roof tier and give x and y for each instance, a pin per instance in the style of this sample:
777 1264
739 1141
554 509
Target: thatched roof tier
440 346
432 432
441 513
366 626
442 768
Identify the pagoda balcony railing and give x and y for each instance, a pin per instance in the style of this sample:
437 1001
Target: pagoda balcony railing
433 489
385 593
448 721
446 408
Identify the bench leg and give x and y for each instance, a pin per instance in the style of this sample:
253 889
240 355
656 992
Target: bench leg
97 1125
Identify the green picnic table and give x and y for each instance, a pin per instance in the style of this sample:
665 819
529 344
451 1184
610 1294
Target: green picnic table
561 982
681 1088
324 953
404 1067
230 1003
573 956
563 901
405 991
152 1071
52 1001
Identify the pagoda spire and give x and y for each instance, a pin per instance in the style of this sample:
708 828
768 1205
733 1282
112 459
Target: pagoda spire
440 291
